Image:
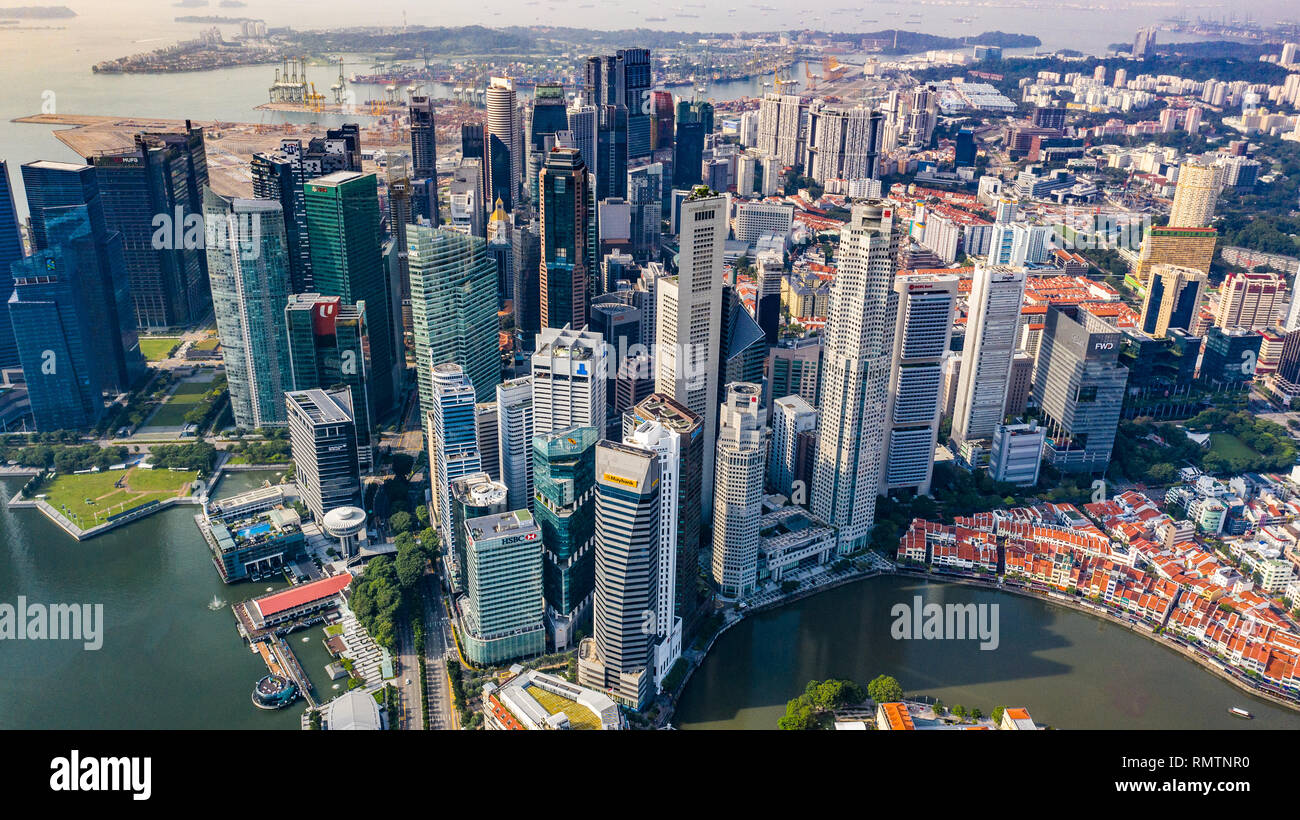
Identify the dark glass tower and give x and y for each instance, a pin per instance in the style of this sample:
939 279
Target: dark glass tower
279 175
611 152
568 263
694 123
564 481
11 250
637 98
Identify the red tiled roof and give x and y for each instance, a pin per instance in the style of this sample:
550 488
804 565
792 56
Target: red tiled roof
302 594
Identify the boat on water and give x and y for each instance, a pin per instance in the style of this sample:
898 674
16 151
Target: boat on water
1237 711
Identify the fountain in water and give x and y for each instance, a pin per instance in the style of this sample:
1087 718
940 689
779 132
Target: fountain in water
216 603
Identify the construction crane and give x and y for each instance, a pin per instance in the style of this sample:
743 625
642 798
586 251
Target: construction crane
781 78
810 77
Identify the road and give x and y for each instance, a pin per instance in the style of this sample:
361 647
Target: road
437 644
408 680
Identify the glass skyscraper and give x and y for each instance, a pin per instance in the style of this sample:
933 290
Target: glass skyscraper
569 255
11 250
564 481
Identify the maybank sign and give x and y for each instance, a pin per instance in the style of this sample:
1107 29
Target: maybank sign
620 480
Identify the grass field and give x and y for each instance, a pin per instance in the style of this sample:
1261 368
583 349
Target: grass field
172 414
157 348
1226 445
90 493
210 343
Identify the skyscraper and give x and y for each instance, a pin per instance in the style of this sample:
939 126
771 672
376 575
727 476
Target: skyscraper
248 268
619 657
503 142
323 436
569 253
694 123
855 375
1195 195
328 346
791 415
842 142
11 250
424 138
1173 299
780 127
689 319
515 439
502 610
637 78
453 308
738 496
921 334
549 117
279 175
347 261
1251 301
990 346
611 152
564 476
452 439
570 369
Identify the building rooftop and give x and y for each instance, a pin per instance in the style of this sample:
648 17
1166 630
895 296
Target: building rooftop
302 594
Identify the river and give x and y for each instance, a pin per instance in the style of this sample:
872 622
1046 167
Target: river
1070 670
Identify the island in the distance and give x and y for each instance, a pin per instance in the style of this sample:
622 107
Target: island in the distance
36 12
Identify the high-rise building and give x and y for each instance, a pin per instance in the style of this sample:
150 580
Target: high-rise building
11 250
637 78
1144 43
619 657
424 138
583 122
694 123
570 369
569 253
329 346
503 142
564 478
485 428
515 431
161 174
472 496
689 319
738 495
926 303
248 269
1016 453
1231 357
1250 301
1195 195
650 424
347 261
466 209
501 613
525 257
855 375
53 325
1187 247
996 294
610 172
794 368
842 142
322 433
279 175
1173 299
780 127
52 189
791 415
451 438
453 308
1079 384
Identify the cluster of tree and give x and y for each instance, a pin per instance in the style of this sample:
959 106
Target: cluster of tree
271 451
198 455
1138 457
68 459
812 709
206 407
388 590
1273 445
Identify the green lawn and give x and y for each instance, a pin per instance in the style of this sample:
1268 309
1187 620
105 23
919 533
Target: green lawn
209 343
1226 445
157 348
172 414
89 494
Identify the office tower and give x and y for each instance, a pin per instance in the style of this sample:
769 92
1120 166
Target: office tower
328 345
248 269
1188 247
166 266
11 250
451 438
400 214
688 314
926 304
1173 299
564 476
467 212
569 372
791 415
842 142
651 423
603 81
994 309
515 431
964 150
548 118
1017 244
1022 380
756 219
645 197
1195 195
485 429
780 127
637 78
526 257
619 657
738 495
279 176
55 188
794 368
694 123
663 118
424 138
568 240
1079 384
1250 301
472 496
500 250
1231 355
502 613
1017 453
53 326
855 374
583 124
347 261
453 309
611 152
503 142
743 356
1144 44
323 436
669 445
